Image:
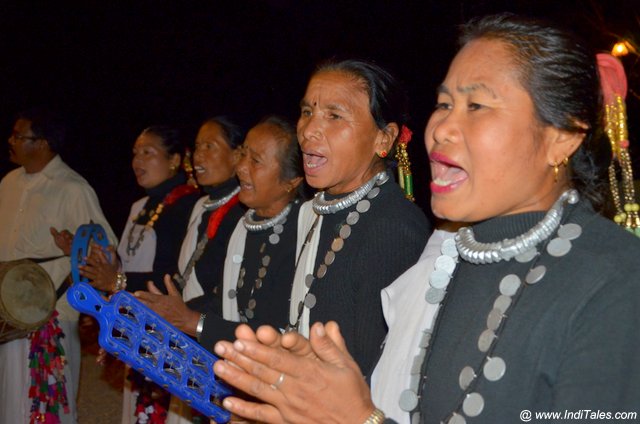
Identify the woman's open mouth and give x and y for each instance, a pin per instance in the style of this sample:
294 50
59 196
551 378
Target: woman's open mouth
446 175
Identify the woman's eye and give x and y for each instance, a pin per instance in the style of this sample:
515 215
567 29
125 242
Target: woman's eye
474 106
442 106
305 112
334 116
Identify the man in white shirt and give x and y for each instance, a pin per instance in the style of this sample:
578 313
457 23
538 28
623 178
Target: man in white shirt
41 195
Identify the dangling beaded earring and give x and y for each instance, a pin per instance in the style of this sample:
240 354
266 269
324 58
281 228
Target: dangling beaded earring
188 168
614 87
405 178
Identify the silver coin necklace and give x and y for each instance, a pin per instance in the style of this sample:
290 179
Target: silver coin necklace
276 224
511 287
361 198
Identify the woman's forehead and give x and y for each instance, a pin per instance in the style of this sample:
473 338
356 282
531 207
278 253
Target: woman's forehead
335 86
480 66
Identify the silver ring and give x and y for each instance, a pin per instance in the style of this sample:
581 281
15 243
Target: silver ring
279 382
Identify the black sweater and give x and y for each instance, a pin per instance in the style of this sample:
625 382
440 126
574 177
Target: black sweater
571 342
385 242
272 299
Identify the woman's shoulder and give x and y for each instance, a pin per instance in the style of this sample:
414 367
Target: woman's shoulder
231 219
395 206
139 204
605 254
236 212
601 234
610 243
184 204
190 198
200 202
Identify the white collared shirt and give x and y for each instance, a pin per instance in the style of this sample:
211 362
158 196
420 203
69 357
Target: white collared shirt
30 204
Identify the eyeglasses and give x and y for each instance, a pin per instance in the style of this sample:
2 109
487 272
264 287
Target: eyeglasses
21 137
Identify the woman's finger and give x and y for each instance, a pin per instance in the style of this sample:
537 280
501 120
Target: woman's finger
244 332
327 349
272 357
87 271
297 344
333 332
151 288
266 374
250 384
260 412
268 336
110 252
171 288
101 257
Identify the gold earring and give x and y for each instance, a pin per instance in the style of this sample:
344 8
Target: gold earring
556 171
565 161
382 154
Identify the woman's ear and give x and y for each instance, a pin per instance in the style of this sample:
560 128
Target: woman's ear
562 143
175 161
294 183
386 137
235 156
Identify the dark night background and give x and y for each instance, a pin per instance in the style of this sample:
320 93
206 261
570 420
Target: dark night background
113 68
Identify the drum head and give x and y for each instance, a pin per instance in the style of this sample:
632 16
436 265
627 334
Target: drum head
27 295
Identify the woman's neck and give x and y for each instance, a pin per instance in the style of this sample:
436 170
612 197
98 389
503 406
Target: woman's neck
273 209
167 185
348 187
220 190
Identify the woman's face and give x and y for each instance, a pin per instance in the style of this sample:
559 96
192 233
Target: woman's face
337 133
214 160
489 155
151 163
258 171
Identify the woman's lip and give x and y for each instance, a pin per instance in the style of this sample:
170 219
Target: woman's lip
441 189
439 157
446 174
312 162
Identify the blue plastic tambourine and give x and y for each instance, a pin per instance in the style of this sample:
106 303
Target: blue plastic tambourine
136 335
